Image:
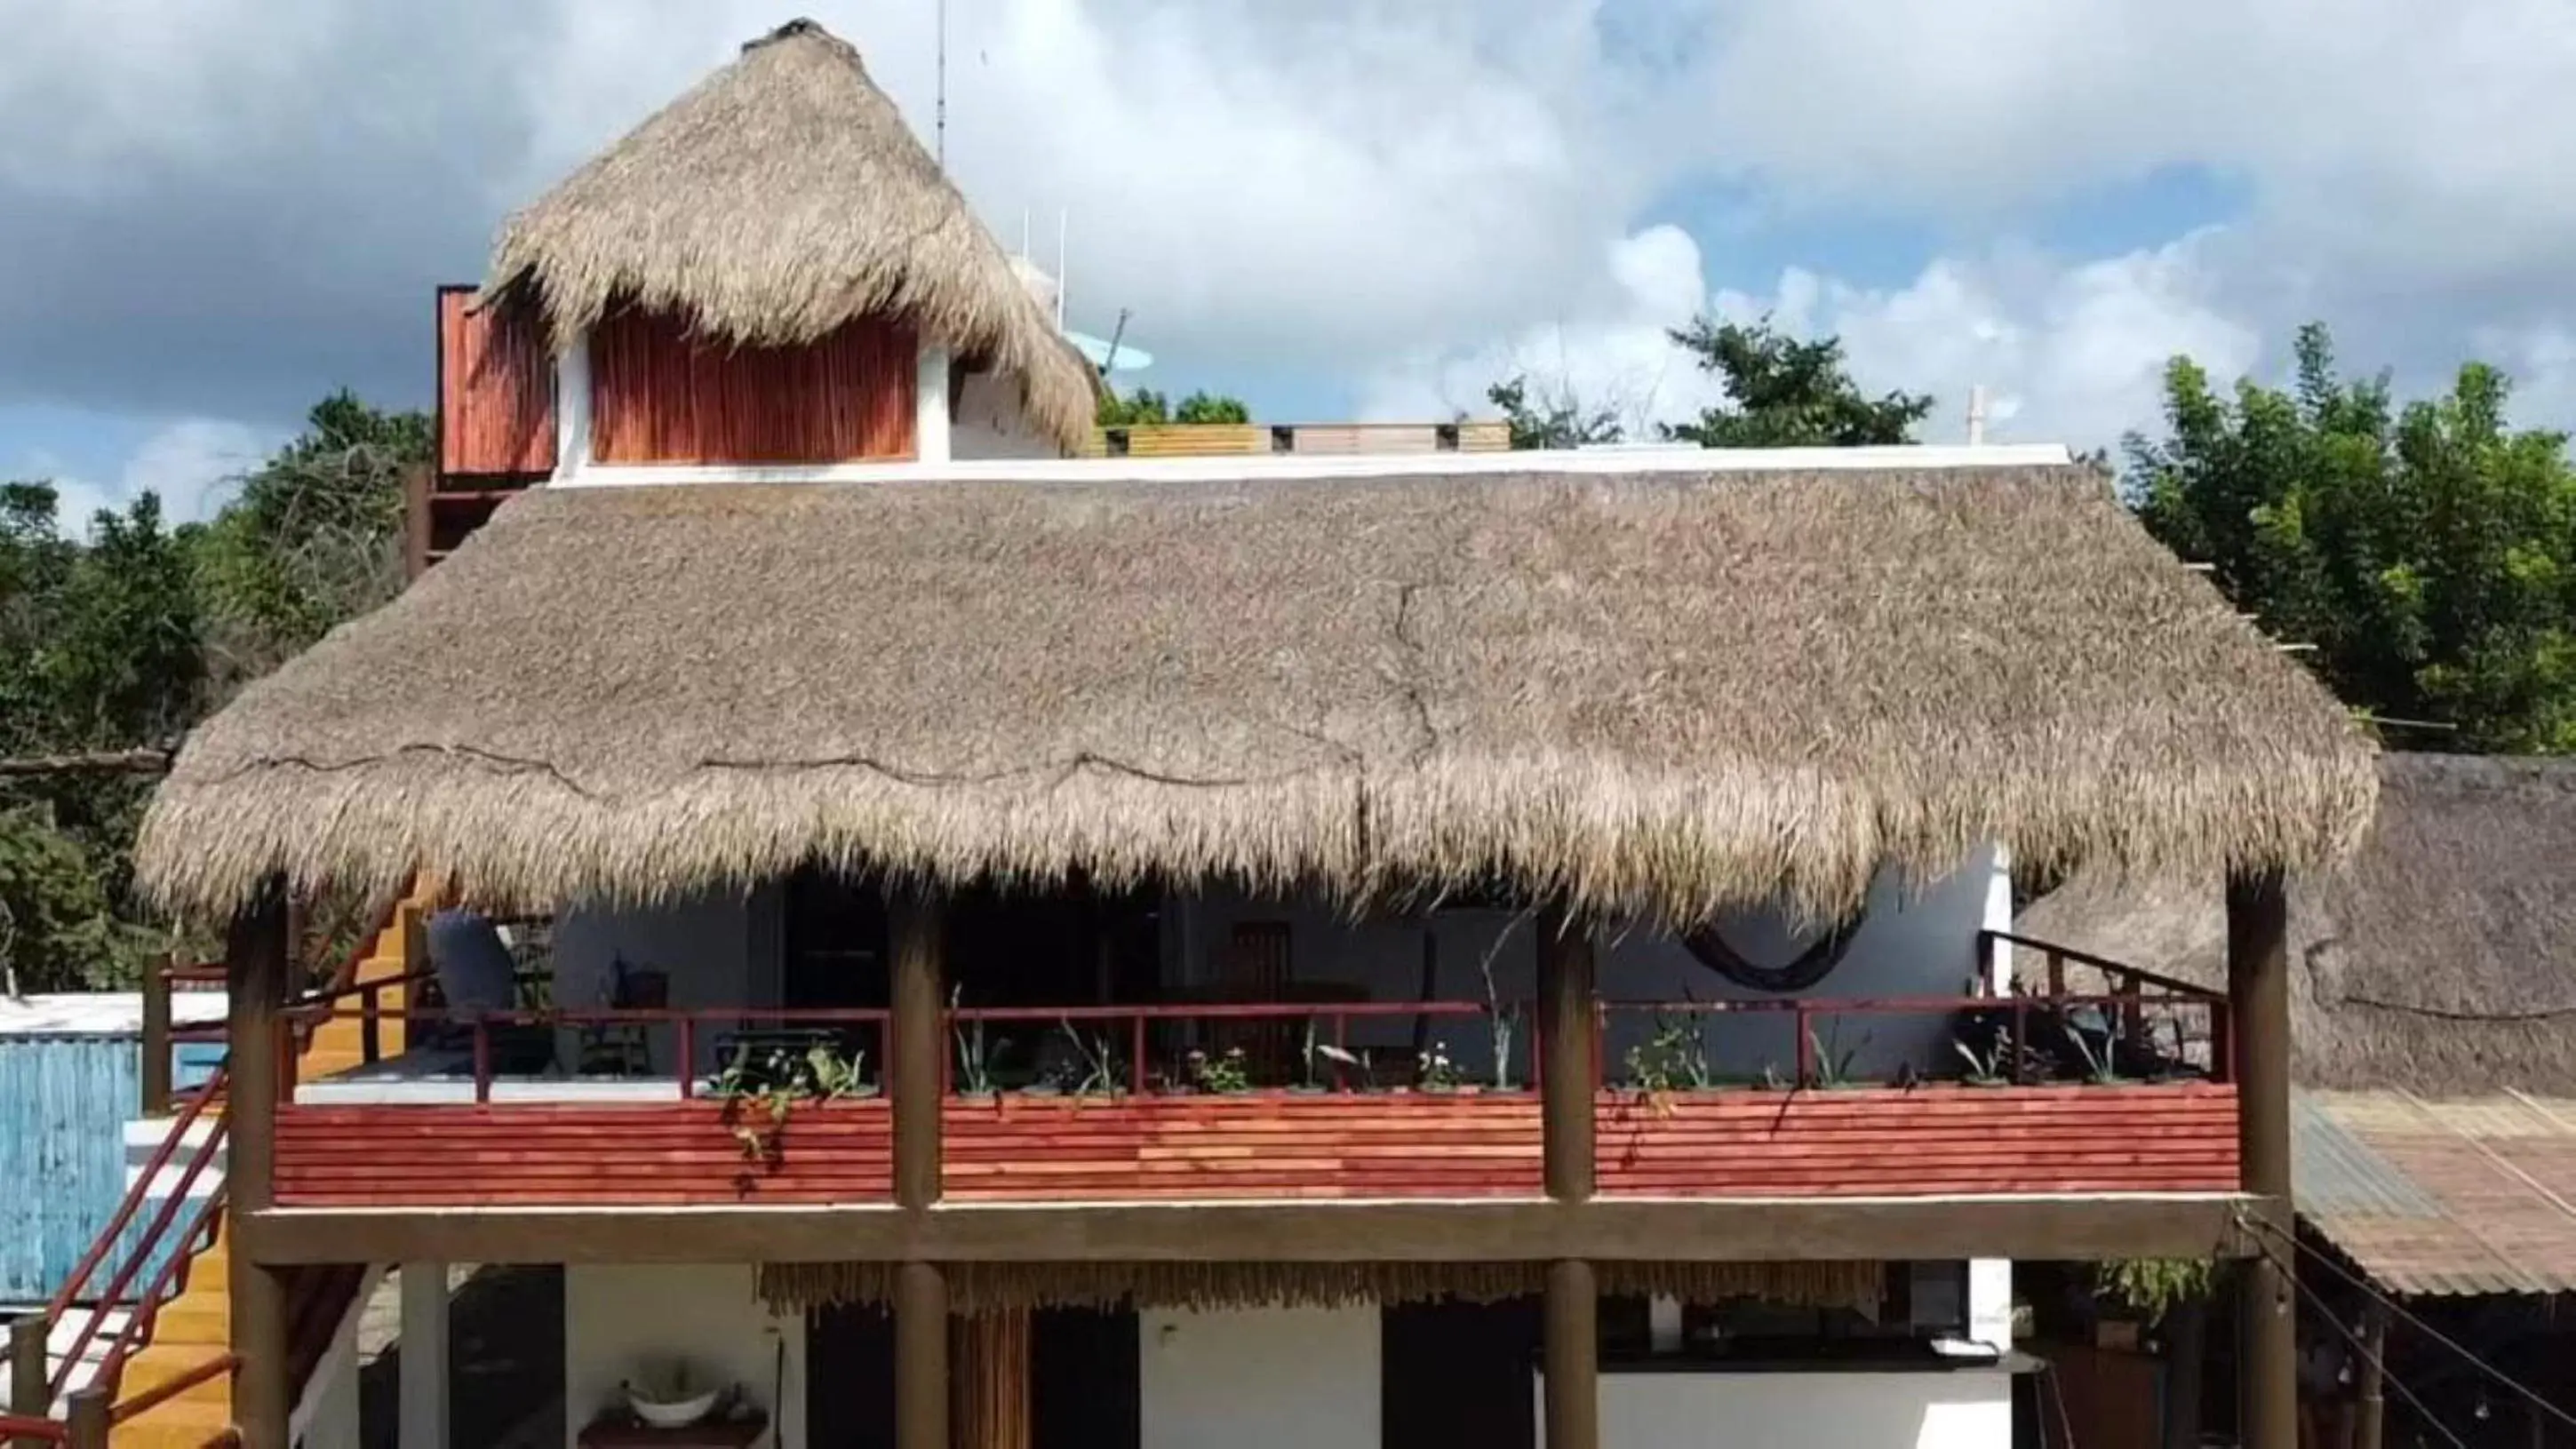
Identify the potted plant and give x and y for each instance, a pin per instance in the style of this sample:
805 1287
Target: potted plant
974 1062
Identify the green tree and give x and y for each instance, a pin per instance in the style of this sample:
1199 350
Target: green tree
312 538
1559 420
1146 406
2428 551
1782 392
98 651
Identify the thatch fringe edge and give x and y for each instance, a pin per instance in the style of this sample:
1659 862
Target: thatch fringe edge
987 1287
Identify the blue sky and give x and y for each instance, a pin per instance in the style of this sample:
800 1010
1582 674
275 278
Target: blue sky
1342 207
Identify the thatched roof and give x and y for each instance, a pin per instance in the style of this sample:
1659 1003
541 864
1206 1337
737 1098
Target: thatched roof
1663 692
779 199
2441 959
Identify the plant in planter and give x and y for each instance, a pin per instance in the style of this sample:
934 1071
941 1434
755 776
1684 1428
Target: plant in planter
1344 1061
1224 1074
1433 1071
1832 1066
1098 1059
1672 1059
1989 1068
1310 1062
2100 1068
759 1092
974 1063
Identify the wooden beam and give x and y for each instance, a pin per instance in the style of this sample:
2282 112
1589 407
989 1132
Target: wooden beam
1572 1354
146 760
921 1357
255 959
988 1364
917 1043
2258 990
30 1396
2370 1409
1565 1048
2087 1229
153 1072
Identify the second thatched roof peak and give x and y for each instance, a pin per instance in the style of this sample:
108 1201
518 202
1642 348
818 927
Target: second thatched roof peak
780 198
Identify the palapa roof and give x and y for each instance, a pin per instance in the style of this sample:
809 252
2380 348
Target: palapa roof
2441 959
1662 692
780 198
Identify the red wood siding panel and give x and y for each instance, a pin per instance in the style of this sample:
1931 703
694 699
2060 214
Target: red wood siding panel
1268 1145
528 1153
660 396
1927 1141
496 390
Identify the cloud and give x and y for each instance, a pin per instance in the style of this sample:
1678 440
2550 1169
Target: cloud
2069 352
188 463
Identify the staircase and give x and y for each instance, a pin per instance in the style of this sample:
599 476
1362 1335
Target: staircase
190 1326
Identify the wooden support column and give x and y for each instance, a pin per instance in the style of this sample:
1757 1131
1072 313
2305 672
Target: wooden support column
1565 1049
421 1391
86 1419
2258 993
29 1395
988 1404
255 960
917 1041
920 1357
153 1072
2370 1406
1571 1357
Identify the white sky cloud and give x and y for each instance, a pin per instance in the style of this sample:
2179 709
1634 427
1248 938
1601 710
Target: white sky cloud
242 203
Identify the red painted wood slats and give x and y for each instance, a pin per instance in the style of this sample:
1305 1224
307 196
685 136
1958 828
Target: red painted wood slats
1923 1142
524 1154
496 390
1940 1140
1263 1146
661 396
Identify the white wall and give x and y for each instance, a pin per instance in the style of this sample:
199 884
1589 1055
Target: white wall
1258 1378
619 1318
1915 939
719 949
989 423
1960 1409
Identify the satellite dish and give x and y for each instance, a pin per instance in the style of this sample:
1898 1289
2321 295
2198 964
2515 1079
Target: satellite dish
1122 357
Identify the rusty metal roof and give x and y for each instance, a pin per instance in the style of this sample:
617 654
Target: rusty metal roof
2468 1195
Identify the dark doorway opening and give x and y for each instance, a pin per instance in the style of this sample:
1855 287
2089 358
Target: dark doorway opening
1083 1385
1459 1373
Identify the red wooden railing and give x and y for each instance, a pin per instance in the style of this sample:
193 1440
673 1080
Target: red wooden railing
1135 1021
688 1025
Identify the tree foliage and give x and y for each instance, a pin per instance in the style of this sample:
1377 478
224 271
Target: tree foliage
1146 406
2427 550
128 635
1782 392
1559 419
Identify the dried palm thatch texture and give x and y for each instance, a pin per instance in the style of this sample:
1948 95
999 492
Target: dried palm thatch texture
2441 959
1659 694
986 1287
779 199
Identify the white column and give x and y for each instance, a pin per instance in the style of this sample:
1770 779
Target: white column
423 1393
1990 1279
572 408
327 1417
1664 1325
930 407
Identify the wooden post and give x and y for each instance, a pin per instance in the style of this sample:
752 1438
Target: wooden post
2186 1362
2258 991
28 1392
153 1072
255 959
87 1419
988 1405
918 1043
2370 1406
417 486
920 1357
1572 1358
1566 1037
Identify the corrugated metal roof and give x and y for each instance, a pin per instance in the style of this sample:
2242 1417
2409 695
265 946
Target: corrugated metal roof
2450 1196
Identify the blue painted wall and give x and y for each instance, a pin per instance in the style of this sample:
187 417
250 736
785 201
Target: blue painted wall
64 1103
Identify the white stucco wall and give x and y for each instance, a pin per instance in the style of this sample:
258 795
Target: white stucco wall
719 950
1965 1409
1258 1378
1915 939
618 1318
988 422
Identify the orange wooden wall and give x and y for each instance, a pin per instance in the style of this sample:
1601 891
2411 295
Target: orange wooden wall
1942 1140
496 391
660 396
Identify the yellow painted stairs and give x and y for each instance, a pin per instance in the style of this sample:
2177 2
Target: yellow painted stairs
196 1324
